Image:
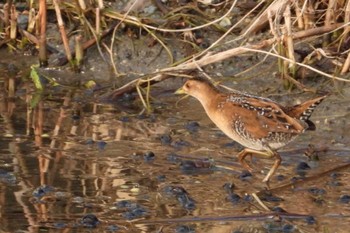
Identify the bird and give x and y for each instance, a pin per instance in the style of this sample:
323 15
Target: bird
259 124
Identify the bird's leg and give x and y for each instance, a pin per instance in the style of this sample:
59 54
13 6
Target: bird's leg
274 167
262 154
241 159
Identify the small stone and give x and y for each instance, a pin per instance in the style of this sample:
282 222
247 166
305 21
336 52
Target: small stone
124 119
188 165
180 143
303 166
245 175
149 156
278 209
287 228
165 139
184 229
345 199
101 145
316 191
123 204
42 191
270 198
112 228
228 187
172 157
234 198
161 178
280 177
310 220
60 225
90 221
248 198
192 126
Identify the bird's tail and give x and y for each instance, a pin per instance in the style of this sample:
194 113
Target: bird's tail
303 111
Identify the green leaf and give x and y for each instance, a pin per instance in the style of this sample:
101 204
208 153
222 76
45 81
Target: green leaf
36 78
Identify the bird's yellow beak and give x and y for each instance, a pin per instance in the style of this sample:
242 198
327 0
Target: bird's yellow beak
180 91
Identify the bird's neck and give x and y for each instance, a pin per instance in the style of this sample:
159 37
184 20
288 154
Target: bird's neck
208 98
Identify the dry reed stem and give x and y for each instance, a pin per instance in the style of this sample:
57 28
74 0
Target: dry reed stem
309 15
7 13
330 19
100 4
260 202
42 36
98 20
289 39
82 4
31 20
79 51
299 15
30 37
262 19
272 27
346 65
13 23
62 30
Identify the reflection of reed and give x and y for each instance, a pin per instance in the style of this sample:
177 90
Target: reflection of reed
75 174
103 127
61 116
7 107
38 119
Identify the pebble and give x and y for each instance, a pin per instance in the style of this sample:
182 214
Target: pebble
90 221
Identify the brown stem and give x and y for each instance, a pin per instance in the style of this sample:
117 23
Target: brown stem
309 16
289 39
42 37
98 20
7 9
13 30
329 19
79 52
299 15
62 31
82 4
346 65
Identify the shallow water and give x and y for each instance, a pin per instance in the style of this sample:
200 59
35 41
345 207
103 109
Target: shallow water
69 166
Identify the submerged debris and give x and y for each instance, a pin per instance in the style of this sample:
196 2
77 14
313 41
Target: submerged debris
181 195
90 221
131 209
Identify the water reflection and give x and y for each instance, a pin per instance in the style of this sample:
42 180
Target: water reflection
62 159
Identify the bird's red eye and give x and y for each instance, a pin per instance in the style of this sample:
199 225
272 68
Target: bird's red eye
187 85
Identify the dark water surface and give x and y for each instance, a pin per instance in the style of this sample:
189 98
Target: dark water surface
70 166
